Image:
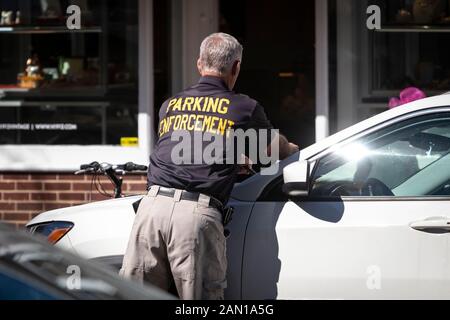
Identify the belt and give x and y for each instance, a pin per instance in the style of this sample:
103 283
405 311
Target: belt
191 196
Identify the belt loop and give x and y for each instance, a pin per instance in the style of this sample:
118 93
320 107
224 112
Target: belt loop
204 199
153 191
177 195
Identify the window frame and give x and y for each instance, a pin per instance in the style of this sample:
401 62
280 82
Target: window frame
316 159
29 158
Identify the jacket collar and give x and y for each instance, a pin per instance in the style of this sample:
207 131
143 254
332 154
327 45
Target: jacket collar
215 81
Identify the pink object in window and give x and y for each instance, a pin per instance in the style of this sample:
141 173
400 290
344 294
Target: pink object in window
406 95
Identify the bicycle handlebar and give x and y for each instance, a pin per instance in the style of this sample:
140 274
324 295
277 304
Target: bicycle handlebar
112 172
130 166
107 167
93 165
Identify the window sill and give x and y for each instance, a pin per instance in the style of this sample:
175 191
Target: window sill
67 158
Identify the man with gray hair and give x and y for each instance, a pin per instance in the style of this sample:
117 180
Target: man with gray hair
178 235
218 52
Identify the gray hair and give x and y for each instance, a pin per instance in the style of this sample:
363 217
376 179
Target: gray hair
218 52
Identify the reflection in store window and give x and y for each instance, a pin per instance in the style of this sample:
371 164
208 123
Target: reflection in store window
411 49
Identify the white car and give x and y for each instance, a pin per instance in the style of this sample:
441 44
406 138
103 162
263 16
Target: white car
363 214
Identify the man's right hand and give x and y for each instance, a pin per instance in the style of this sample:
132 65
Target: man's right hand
245 168
286 148
293 148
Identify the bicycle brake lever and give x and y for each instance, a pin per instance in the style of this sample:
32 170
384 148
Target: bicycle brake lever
106 166
84 171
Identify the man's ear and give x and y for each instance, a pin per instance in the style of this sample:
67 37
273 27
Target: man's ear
236 68
199 66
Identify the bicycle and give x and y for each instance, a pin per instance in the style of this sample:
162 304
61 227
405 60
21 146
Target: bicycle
113 172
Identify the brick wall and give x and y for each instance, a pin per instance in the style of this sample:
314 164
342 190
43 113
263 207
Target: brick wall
24 195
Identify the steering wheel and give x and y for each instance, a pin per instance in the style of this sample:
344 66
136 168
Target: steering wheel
375 187
343 190
372 187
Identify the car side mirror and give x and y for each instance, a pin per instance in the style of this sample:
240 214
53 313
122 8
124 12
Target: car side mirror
296 179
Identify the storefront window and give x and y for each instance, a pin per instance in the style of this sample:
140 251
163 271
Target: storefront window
68 87
411 48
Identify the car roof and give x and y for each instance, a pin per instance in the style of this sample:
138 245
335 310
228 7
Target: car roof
422 104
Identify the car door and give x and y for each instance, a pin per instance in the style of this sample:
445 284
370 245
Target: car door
375 224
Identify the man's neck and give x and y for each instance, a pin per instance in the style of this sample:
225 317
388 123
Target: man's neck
216 75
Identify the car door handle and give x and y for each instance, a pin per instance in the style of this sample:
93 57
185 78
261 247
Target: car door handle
432 224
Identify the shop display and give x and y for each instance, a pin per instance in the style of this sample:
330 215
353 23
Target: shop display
422 12
428 11
9 18
18 18
404 16
51 12
52 74
32 77
6 19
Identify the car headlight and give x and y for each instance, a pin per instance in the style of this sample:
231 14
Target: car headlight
53 231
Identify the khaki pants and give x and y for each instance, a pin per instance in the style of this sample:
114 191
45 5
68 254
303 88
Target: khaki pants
180 241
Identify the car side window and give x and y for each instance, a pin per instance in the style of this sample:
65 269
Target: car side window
410 158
